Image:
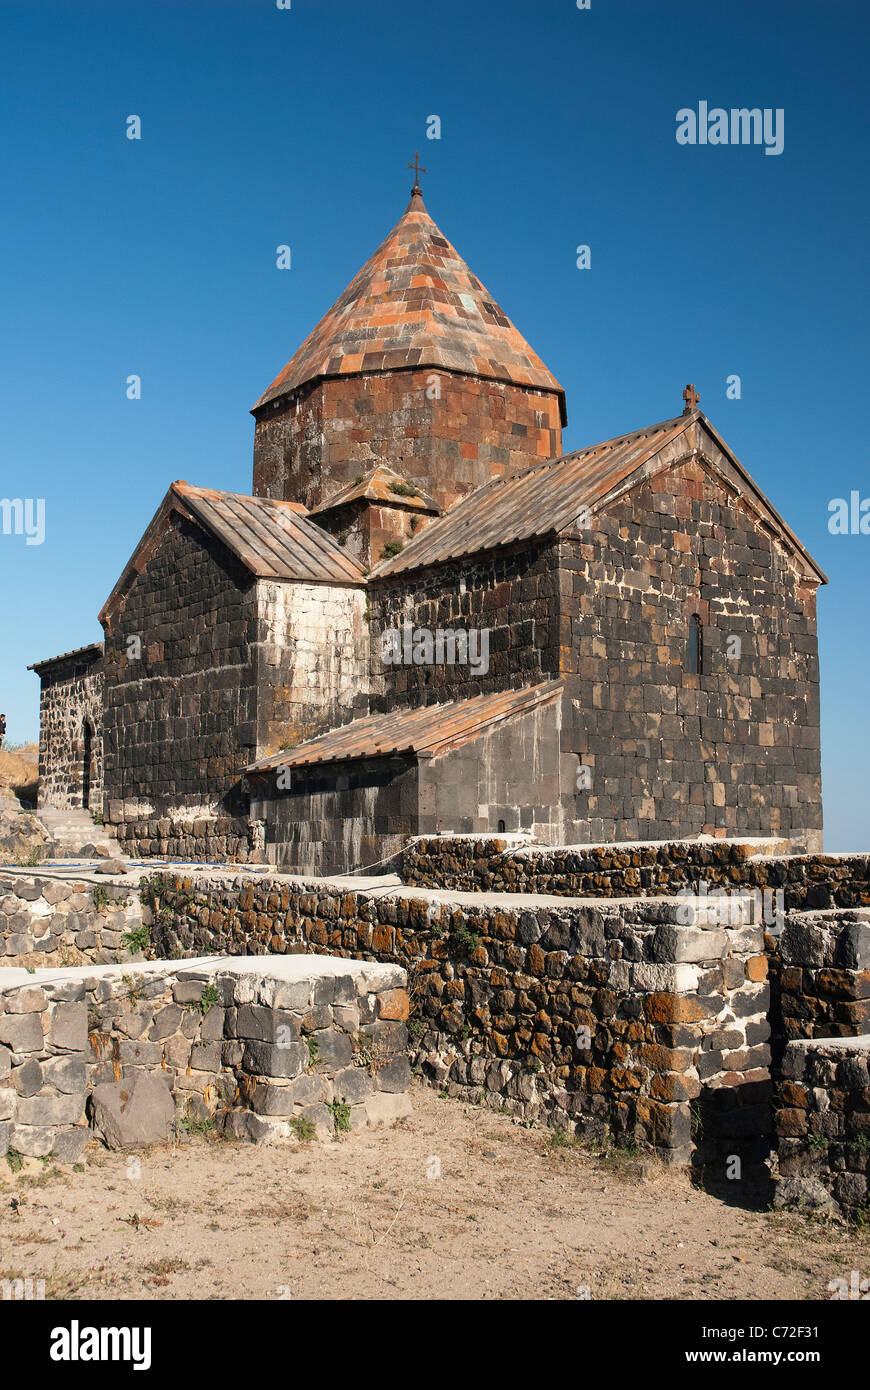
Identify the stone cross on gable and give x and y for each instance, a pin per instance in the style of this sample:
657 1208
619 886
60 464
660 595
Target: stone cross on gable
691 397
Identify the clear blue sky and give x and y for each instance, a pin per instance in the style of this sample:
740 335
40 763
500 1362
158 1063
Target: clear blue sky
263 126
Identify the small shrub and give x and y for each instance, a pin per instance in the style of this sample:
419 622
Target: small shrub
101 898
209 997
313 1050
192 1124
15 1161
391 548
340 1116
465 942
404 490
138 939
303 1128
135 987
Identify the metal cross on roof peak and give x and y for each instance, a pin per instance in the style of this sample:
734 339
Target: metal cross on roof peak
691 397
418 170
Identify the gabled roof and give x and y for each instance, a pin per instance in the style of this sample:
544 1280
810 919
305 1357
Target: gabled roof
92 651
425 731
380 484
274 540
415 303
547 497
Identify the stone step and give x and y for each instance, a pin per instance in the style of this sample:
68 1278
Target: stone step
72 829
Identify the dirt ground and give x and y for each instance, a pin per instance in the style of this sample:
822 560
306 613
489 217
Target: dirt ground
19 771
513 1215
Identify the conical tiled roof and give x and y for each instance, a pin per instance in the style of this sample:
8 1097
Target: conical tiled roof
415 303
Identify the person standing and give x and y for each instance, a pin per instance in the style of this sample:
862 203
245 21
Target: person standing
2 728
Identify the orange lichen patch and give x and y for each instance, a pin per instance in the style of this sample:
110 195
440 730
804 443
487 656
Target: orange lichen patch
393 1004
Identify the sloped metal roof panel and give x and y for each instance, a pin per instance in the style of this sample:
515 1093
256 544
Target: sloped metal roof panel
275 540
426 729
535 502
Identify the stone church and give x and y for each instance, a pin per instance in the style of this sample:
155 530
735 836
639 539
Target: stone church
427 618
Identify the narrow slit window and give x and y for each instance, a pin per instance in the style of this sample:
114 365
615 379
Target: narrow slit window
696 646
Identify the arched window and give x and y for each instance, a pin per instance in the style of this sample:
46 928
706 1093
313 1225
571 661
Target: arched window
696 646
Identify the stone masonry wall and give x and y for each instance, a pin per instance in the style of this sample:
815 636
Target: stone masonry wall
312 661
822 1116
338 817
180 722
311 445
512 594
71 696
49 922
129 1057
346 816
600 1016
652 867
734 749
824 985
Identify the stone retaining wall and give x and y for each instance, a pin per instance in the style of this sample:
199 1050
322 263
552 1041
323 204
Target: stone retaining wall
822 1117
199 835
129 1057
608 1016
647 868
825 974
54 922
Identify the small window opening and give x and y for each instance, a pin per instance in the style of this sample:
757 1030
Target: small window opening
501 827
696 646
87 768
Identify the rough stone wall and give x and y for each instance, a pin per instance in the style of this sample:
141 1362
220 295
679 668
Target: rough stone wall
512 594
253 1048
53 922
43 1069
734 749
594 1015
312 661
71 693
654 867
311 445
180 722
822 1117
824 985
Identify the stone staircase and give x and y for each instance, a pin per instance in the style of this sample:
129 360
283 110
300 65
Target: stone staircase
75 835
